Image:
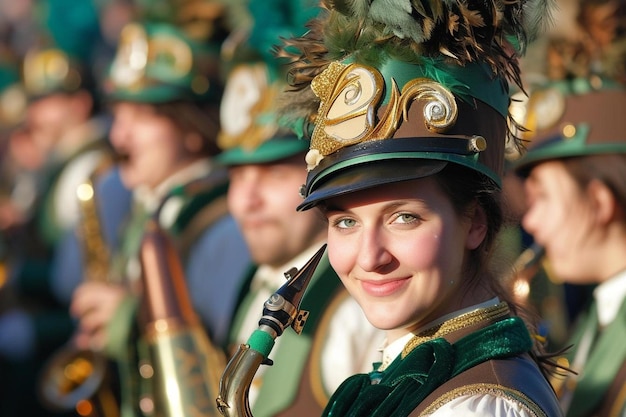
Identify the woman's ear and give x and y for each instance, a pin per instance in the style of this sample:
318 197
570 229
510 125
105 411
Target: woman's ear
478 227
193 142
603 201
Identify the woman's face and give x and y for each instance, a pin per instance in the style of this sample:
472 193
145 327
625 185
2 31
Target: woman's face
400 251
560 216
151 145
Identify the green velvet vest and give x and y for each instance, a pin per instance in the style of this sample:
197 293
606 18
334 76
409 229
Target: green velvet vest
426 364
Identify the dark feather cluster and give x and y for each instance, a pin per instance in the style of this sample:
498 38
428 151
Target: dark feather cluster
455 32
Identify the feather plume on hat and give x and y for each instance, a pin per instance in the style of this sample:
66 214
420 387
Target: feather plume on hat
432 75
432 33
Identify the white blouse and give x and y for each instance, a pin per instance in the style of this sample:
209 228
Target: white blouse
483 405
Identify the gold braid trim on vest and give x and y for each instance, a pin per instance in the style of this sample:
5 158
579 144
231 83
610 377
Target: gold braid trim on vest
465 320
492 389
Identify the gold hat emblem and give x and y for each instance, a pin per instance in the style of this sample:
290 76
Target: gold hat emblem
350 95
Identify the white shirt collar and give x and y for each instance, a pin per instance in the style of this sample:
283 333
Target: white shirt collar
609 297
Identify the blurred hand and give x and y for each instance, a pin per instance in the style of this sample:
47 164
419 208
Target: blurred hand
94 304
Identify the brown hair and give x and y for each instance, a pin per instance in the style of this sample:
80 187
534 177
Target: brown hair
201 118
610 169
464 187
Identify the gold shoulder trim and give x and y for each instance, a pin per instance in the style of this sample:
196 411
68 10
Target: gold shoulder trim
457 323
493 389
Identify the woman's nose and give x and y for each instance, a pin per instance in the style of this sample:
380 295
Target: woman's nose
373 251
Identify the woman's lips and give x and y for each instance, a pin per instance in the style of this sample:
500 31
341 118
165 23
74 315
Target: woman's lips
383 288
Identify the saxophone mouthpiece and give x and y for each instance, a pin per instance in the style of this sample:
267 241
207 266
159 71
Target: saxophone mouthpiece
283 307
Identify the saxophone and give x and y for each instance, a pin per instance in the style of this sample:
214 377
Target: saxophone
184 365
78 379
280 311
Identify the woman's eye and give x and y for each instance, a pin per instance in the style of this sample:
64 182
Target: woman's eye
345 223
406 218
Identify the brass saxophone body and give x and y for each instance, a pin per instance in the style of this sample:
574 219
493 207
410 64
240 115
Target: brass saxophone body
184 367
76 378
280 311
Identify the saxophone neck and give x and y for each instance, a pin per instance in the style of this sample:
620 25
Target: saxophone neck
280 311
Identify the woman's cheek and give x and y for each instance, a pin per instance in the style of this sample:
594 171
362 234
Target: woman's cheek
421 252
340 254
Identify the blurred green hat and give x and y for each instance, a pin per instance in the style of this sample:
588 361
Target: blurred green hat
401 89
52 70
12 95
68 41
578 109
251 132
159 62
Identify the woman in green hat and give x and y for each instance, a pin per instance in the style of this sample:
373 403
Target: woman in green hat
407 105
574 180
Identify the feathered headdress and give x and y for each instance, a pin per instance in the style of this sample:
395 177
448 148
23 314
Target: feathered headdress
449 60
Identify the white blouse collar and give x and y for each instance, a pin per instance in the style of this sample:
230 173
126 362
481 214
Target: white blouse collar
609 297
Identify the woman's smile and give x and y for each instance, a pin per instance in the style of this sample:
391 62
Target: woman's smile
384 287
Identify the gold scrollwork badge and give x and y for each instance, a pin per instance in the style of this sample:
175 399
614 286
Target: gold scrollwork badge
350 95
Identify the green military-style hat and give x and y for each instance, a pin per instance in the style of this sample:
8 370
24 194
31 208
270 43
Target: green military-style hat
578 109
591 123
251 132
51 70
158 62
170 54
404 88
63 57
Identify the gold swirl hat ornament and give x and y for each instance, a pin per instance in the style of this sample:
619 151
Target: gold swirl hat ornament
402 88
577 107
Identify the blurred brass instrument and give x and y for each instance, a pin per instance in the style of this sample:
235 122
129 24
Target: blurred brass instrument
78 379
184 367
280 311
524 270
